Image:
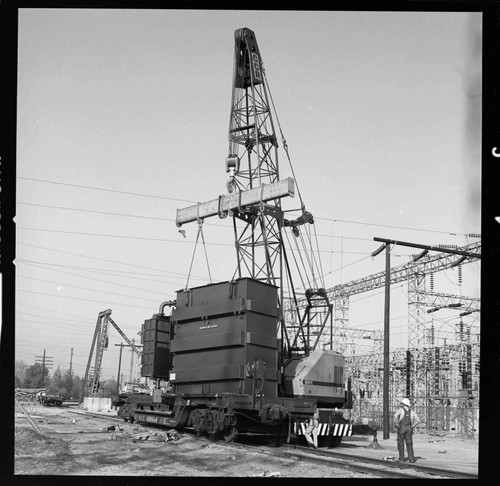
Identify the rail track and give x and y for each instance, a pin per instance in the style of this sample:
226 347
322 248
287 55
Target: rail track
371 466
401 470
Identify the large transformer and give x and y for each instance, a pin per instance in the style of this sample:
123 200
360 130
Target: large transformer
224 336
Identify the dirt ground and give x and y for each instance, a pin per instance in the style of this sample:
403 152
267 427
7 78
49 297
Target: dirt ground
76 444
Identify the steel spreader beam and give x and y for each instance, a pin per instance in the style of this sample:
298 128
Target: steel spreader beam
236 201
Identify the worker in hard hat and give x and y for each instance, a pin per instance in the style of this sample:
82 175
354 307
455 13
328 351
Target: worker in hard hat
405 420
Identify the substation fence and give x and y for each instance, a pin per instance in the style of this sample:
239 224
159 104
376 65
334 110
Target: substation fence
460 420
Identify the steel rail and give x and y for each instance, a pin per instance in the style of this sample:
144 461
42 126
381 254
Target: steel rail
382 469
353 462
431 470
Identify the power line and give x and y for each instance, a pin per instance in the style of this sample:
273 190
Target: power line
128 215
96 212
52 328
70 318
110 272
391 226
115 236
153 239
348 265
113 273
101 259
452 233
105 189
86 288
171 220
81 299
100 280
42 308
373 294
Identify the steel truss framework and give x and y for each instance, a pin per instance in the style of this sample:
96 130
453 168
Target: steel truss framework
366 366
258 221
414 273
100 344
451 382
427 265
252 162
251 129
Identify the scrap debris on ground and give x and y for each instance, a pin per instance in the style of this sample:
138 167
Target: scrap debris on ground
87 445
139 434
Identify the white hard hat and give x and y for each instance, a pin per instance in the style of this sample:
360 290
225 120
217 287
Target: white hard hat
405 401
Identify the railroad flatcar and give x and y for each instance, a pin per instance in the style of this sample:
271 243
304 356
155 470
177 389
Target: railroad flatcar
226 370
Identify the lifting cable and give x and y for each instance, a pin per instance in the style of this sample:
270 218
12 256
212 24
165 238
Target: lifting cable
295 260
283 140
200 232
285 147
317 260
305 249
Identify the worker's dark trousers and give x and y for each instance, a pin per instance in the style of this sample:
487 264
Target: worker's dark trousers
405 434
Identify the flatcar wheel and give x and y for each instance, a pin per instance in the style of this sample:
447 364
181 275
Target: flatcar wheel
230 434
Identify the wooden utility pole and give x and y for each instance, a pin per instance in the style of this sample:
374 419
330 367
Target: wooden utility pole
45 361
387 311
386 245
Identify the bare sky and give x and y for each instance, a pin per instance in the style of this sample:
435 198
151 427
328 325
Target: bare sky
381 112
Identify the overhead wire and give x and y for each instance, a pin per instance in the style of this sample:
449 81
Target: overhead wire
84 288
105 189
41 308
51 328
145 238
452 233
80 233
70 318
128 215
392 226
43 265
99 259
311 260
170 220
80 298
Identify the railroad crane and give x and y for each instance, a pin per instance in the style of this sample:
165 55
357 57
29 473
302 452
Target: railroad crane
254 200
234 363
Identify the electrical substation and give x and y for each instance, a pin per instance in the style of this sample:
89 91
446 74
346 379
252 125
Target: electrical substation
229 358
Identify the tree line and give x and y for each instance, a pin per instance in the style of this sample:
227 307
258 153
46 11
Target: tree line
66 383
